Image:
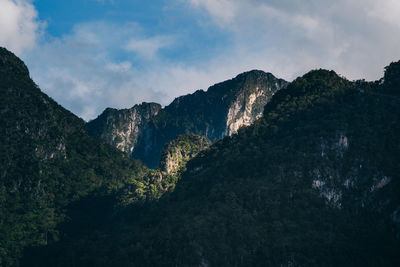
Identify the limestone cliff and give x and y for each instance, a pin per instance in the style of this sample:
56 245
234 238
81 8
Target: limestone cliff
215 113
121 128
151 184
179 151
249 103
144 129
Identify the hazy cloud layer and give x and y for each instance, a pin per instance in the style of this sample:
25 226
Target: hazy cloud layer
101 64
80 71
357 37
19 27
149 47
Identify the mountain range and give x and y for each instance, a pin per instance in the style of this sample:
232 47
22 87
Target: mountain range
142 130
255 171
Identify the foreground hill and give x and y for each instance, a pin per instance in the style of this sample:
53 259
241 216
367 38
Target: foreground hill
143 130
47 161
56 180
315 182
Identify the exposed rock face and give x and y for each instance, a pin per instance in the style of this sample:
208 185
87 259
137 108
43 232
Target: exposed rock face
215 113
179 151
245 110
155 182
143 130
121 128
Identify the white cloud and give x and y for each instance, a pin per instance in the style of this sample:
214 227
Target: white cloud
148 47
357 38
19 25
223 10
100 64
387 11
81 72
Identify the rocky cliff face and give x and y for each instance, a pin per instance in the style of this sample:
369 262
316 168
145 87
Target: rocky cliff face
179 151
121 128
152 184
247 108
215 113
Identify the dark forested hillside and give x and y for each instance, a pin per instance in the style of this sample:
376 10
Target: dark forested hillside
56 181
47 161
315 182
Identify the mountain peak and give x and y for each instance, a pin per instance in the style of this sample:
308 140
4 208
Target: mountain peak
11 64
254 72
392 75
121 128
143 129
141 106
144 105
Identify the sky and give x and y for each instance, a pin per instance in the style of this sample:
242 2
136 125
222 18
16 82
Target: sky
92 54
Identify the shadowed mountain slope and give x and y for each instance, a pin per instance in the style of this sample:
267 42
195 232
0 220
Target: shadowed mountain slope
47 161
315 182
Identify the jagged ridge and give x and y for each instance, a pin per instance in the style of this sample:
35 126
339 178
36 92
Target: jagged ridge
121 128
215 113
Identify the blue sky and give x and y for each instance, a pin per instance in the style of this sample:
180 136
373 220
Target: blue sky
93 54
169 18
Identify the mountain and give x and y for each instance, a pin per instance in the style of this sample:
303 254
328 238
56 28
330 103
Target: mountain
47 162
152 184
55 179
314 182
121 128
180 150
215 113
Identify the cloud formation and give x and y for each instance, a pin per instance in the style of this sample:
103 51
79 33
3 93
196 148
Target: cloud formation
357 38
19 25
149 47
81 72
99 64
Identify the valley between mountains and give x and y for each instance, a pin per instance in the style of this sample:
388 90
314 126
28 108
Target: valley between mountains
254 171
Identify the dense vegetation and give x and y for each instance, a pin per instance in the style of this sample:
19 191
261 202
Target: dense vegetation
180 150
151 184
315 182
47 161
53 173
204 112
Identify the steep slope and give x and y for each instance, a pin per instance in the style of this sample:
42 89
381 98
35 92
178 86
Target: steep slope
121 128
181 150
315 182
152 184
47 161
218 112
